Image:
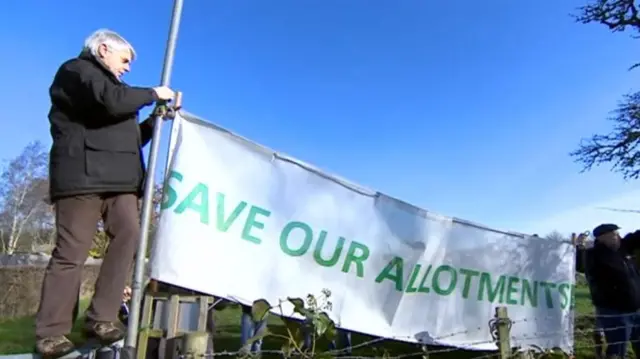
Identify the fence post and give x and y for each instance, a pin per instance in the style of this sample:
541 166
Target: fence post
503 327
194 345
425 352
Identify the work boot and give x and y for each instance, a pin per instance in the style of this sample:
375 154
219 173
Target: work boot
54 347
106 332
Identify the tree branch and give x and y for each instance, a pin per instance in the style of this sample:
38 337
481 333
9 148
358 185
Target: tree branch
617 15
620 148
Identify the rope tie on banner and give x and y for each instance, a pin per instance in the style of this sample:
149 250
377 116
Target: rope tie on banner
166 109
494 323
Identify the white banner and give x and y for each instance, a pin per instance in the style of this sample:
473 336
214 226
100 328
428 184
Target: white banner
243 222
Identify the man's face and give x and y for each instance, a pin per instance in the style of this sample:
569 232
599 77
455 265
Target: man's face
118 62
611 239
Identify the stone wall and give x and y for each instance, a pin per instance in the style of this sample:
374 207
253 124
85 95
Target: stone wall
21 280
20 287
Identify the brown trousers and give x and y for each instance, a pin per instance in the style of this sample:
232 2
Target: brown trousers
76 223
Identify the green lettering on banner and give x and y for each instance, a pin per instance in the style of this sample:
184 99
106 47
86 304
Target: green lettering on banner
491 291
468 276
284 238
198 201
565 295
512 290
453 279
393 271
547 293
411 288
252 222
529 293
170 195
443 279
354 257
223 224
422 288
317 253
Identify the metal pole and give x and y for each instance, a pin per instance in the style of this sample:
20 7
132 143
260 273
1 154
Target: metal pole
147 204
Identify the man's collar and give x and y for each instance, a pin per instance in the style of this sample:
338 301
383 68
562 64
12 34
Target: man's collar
86 55
601 246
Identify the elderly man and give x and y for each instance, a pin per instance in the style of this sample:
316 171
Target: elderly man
583 248
615 288
96 172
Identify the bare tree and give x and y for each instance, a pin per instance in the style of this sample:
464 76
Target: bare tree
617 15
23 193
556 236
620 147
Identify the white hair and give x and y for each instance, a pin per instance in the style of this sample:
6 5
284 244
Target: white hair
110 38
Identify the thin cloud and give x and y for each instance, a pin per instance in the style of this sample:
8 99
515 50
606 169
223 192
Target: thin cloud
587 217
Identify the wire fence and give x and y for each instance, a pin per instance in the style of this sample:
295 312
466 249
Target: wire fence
583 346
583 343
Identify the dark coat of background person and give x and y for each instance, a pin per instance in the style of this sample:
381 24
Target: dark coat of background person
96 136
614 275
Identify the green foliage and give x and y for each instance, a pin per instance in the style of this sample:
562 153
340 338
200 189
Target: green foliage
315 321
99 245
540 353
260 310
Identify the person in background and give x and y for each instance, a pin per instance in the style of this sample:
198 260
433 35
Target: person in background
123 313
583 246
342 343
96 171
615 287
250 328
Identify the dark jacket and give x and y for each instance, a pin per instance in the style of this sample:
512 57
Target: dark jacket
94 126
613 276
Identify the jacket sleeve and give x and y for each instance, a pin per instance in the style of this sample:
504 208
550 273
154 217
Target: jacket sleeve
588 262
631 242
581 263
146 131
87 84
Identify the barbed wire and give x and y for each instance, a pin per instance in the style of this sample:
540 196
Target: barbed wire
437 351
428 349
576 316
380 339
347 350
400 356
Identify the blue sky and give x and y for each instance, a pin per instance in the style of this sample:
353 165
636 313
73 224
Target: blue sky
469 111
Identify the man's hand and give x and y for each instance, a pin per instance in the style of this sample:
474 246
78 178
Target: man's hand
579 240
164 93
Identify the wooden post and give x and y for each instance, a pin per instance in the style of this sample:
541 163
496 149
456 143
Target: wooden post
145 326
194 345
425 352
503 324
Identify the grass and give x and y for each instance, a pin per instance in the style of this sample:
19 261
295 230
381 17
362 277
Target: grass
18 335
